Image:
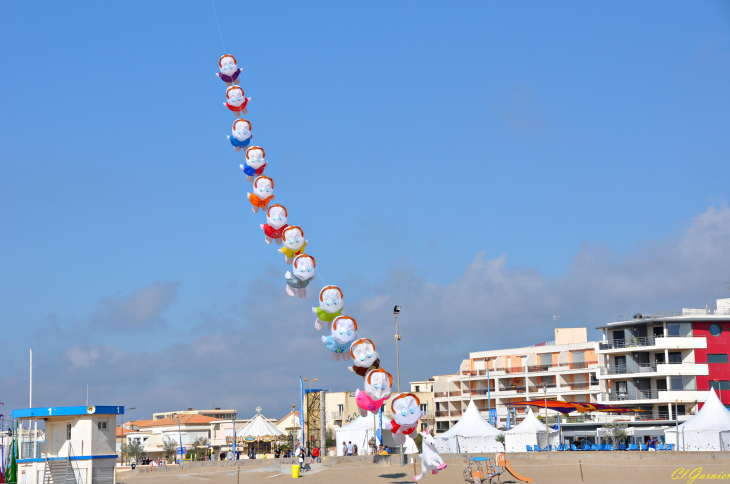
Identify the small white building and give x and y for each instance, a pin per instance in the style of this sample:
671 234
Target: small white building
79 442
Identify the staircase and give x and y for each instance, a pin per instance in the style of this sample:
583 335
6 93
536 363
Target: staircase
59 471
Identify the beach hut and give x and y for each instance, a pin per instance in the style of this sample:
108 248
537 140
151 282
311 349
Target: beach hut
472 434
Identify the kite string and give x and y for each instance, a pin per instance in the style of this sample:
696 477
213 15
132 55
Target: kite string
219 26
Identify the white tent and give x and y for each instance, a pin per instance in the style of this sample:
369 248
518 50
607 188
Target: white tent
529 432
257 430
706 431
410 446
360 431
470 434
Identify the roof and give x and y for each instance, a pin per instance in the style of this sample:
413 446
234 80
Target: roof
136 423
288 415
45 412
167 422
530 425
471 424
126 431
259 426
713 416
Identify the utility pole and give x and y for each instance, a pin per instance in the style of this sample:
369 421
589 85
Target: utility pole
547 429
31 378
396 311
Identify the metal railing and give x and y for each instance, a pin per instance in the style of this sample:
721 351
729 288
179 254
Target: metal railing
441 394
663 314
536 389
514 369
336 415
539 367
579 365
442 413
512 388
634 342
454 394
629 369
634 395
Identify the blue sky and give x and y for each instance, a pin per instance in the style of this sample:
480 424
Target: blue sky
405 138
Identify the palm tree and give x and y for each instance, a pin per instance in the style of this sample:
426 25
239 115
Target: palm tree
200 442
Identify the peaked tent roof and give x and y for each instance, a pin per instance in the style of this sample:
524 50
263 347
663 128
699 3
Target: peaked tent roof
410 446
259 426
363 423
471 424
712 416
529 425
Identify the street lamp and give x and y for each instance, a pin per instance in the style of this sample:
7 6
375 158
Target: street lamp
121 442
547 429
396 312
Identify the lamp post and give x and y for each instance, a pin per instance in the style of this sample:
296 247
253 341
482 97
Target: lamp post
396 312
547 429
121 442
310 392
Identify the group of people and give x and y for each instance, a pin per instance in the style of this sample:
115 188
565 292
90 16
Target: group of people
349 448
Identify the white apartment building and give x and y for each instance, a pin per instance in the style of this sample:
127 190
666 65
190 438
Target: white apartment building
565 369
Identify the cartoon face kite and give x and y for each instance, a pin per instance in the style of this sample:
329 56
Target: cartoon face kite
342 334
263 193
364 357
229 71
242 136
294 243
330 306
406 412
303 268
235 101
275 223
377 390
255 162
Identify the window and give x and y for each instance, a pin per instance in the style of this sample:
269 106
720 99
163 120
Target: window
672 329
424 408
675 357
68 431
658 331
721 358
594 380
661 384
720 385
418 388
715 329
675 383
101 424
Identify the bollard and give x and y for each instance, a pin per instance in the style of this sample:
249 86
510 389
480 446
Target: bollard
295 471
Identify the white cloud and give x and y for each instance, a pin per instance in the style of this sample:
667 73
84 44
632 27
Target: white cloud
141 309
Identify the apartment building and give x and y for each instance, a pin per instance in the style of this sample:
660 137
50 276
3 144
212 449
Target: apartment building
565 369
666 362
214 413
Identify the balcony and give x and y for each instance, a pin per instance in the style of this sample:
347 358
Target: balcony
514 369
618 344
441 394
580 365
629 369
512 388
633 395
336 415
442 413
539 368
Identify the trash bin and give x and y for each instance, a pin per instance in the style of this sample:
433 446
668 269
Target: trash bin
295 471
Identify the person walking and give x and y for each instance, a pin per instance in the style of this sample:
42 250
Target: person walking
350 448
300 455
344 448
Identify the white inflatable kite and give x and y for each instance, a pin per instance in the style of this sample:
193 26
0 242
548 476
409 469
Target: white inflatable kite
343 332
235 101
303 269
263 193
430 458
229 71
377 390
255 162
330 306
364 357
275 223
242 136
407 412
294 243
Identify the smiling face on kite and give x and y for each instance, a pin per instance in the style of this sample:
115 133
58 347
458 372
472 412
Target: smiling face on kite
241 129
276 216
406 409
344 329
263 187
363 353
255 157
293 238
378 384
304 267
330 299
227 65
234 96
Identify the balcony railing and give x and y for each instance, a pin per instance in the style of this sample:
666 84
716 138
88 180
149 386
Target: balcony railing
455 394
579 365
539 368
629 369
536 389
634 395
482 391
512 388
442 413
441 394
627 343
336 415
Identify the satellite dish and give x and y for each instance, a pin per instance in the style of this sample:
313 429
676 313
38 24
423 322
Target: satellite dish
90 409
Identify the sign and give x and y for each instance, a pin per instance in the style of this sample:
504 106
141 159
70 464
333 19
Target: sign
493 417
181 450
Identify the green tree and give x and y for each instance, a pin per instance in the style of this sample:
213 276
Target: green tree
169 448
330 440
199 444
616 432
132 450
500 439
